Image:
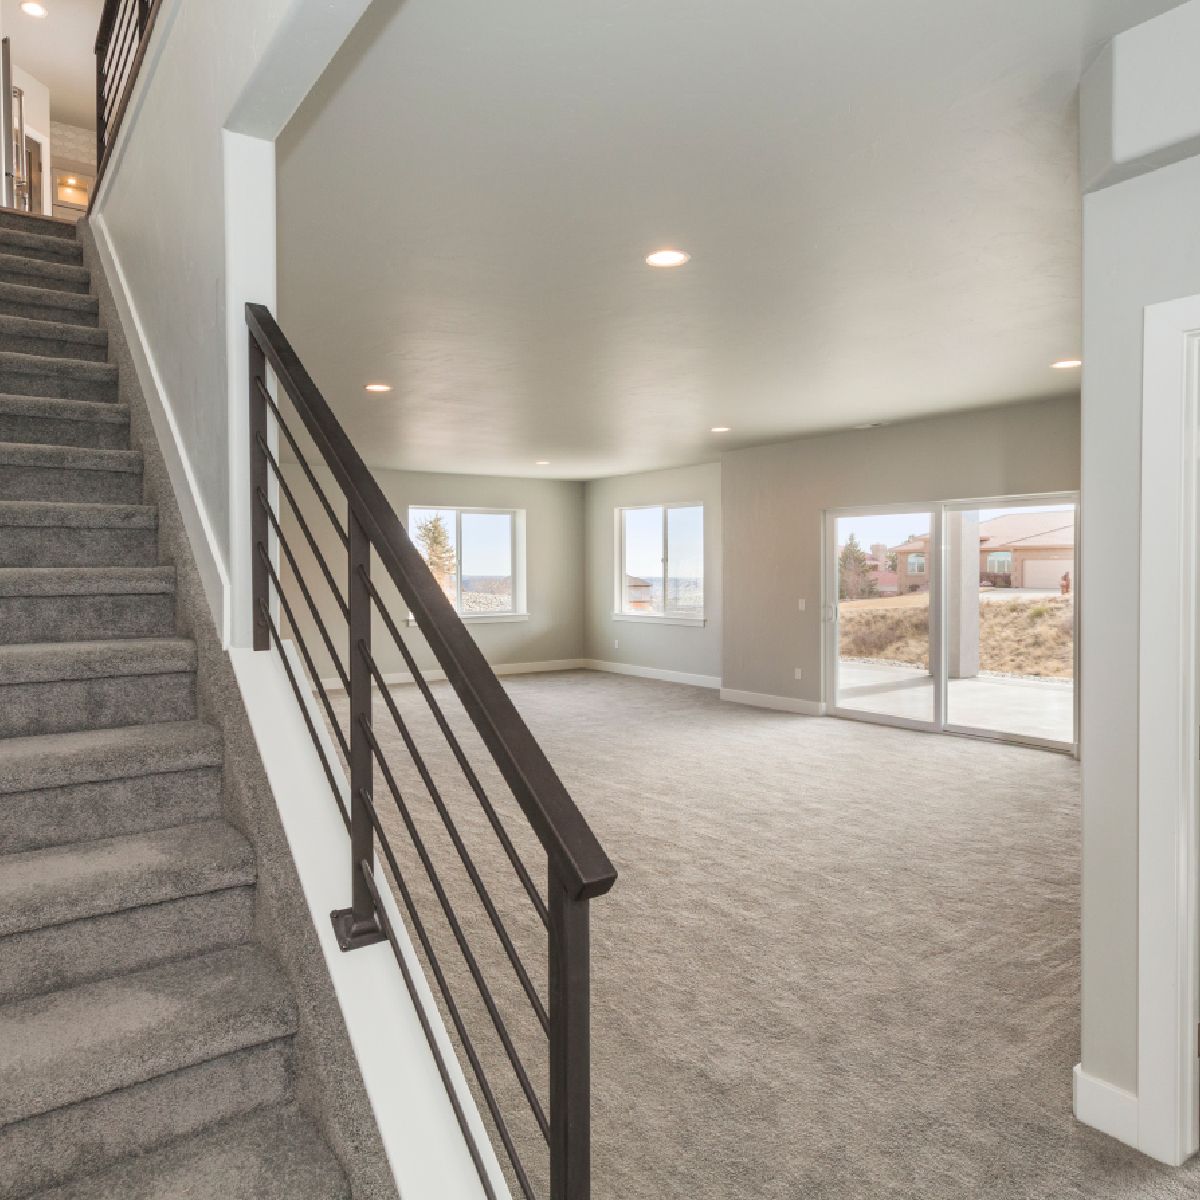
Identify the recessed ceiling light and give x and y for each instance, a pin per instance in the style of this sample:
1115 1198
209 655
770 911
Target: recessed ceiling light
719 429
1065 364
378 387
33 10
71 181
542 462
667 258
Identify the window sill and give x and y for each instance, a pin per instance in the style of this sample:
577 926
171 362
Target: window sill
484 618
656 619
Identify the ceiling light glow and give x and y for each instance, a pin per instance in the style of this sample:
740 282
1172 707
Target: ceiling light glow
719 429
542 462
33 10
378 387
1066 364
667 258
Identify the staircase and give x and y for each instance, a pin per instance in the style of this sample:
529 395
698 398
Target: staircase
146 1041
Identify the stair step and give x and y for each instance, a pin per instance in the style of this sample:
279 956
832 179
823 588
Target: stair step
79 1043
23 222
52 339
54 534
67 884
84 1138
52 277
98 783
71 473
48 687
34 244
45 421
58 378
73 604
274 1154
18 300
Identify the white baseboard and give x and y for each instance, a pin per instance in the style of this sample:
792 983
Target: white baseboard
205 549
704 681
436 674
1111 1110
807 708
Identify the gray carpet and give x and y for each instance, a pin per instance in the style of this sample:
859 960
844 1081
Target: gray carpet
841 960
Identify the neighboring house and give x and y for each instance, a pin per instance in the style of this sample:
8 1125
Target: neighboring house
639 594
1019 549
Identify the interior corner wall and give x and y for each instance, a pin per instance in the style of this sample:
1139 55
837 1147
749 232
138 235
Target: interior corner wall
162 207
774 498
671 649
1140 248
553 634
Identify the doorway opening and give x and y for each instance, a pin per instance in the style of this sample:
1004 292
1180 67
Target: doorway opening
956 617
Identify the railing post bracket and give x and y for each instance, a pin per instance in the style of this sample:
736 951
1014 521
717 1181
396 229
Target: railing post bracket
352 935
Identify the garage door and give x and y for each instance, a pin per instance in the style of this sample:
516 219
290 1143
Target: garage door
1046 572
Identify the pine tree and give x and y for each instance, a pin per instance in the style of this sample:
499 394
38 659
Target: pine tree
433 539
856 580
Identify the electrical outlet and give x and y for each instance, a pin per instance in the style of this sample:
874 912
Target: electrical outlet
802 605
799 673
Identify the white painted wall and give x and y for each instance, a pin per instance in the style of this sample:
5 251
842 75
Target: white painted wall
37 124
674 650
1140 108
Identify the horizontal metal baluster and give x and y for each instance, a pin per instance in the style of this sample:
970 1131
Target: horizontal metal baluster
318 686
456 928
460 1116
458 752
308 536
312 729
312 604
312 479
463 853
451 1006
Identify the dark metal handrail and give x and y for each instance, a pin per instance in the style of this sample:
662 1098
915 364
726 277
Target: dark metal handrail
121 42
578 869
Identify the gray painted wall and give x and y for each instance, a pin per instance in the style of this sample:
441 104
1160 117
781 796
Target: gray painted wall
554 565
1140 247
691 650
774 497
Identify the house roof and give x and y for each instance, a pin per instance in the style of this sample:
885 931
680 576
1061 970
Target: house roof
1015 530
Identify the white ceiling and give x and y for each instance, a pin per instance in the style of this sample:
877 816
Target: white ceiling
880 199
58 50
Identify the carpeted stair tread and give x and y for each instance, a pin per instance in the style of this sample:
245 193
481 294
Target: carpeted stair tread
53 408
34 303
14 363
70 458
50 276
273 1154
77 515
55 760
36 244
86 581
45 662
42 888
68 1046
67 335
59 227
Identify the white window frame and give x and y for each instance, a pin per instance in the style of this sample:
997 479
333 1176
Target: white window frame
519 611
923 556
1007 554
663 618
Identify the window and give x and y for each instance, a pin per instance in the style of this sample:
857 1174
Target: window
999 562
916 564
475 554
660 561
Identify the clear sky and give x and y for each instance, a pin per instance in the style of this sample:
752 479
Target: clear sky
894 528
487 539
643 542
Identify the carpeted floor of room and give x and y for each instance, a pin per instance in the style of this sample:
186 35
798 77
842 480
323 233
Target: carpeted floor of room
841 960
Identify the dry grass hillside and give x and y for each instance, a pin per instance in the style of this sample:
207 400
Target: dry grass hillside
1016 637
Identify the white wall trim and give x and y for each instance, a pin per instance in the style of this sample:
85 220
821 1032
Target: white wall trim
424 1145
790 704
209 562
1168 1107
1111 1110
703 681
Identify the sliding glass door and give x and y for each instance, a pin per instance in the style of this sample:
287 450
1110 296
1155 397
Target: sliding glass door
885 570
957 617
